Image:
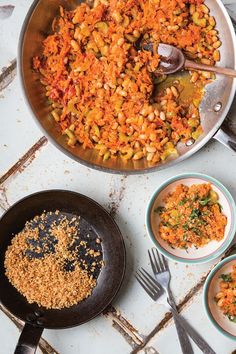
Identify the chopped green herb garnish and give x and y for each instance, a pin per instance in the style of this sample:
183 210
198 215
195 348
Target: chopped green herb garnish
185 226
205 213
195 214
202 222
226 277
185 238
175 226
160 210
196 231
166 224
183 201
205 201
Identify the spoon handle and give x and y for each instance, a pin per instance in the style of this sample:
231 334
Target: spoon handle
216 69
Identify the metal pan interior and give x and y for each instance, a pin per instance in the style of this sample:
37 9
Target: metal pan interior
214 107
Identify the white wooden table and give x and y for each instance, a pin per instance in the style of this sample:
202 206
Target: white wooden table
29 163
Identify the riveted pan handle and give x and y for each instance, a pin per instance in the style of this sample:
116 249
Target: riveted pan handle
229 140
29 338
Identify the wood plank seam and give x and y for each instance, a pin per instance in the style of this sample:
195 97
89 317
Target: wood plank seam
7 74
130 333
24 161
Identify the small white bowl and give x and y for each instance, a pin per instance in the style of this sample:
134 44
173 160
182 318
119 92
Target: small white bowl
192 255
211 288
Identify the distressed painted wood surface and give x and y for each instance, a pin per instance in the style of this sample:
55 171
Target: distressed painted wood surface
29 163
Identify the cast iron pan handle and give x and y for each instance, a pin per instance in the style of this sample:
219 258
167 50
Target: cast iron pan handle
29 338
227 139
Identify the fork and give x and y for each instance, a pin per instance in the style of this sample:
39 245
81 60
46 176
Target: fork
162 275
154 290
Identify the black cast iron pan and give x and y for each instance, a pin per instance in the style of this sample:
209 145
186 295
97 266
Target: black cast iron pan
100 223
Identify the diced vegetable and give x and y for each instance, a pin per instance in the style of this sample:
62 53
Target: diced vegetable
99 82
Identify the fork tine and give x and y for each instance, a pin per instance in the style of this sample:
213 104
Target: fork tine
160 260
158 268
150 279
152 263
145 288
165 263
139 279
162 268
147 282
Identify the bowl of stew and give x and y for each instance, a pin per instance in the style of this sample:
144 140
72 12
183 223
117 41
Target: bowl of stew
219 296
191 218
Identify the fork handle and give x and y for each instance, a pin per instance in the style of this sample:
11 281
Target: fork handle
200 342
182 334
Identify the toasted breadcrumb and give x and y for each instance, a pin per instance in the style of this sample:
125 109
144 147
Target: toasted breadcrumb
45 264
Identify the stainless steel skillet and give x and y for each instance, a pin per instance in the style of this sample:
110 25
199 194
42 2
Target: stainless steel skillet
214 108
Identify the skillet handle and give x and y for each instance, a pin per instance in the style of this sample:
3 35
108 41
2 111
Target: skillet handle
29 338
228 140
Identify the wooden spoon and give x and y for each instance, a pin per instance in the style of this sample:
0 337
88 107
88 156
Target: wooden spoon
173 60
